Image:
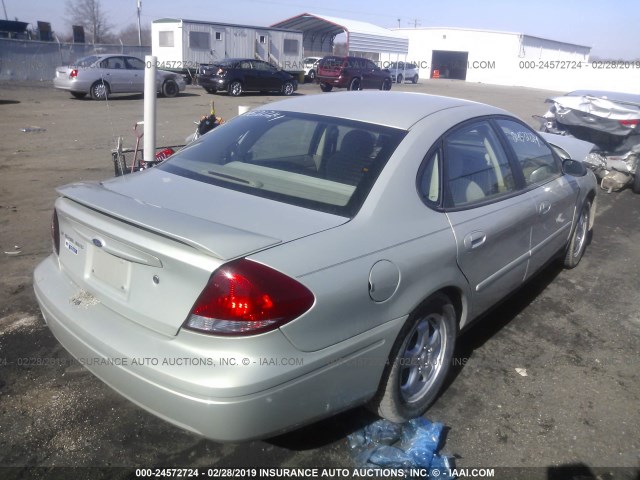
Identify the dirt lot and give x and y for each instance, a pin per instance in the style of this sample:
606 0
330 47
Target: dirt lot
575 332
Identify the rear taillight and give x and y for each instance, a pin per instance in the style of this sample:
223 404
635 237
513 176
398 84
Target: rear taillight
244 298
55 232
630 123
73 74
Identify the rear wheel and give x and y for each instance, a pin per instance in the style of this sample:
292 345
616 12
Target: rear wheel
287 88
355 84
419 361
579 238
399 79
235 88
415 78
79 94
99 90
170 89
326 88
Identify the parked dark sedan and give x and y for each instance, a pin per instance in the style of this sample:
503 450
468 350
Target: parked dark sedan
236 75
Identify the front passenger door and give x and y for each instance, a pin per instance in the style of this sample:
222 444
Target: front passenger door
554 194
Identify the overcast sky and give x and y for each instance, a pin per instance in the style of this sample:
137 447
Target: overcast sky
610 28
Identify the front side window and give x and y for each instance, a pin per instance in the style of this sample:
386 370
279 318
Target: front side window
476 167
134 63
313 161
535 157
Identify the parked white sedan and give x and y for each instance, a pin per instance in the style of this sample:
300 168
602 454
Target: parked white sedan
308 256
102 75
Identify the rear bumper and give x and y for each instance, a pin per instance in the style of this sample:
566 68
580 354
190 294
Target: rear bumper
71 85
224 389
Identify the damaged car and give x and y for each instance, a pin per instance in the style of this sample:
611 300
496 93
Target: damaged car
610 121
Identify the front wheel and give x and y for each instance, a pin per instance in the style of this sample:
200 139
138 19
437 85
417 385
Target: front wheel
170 89
415 78
326 88
399 79
386 84
288 89
312 75
235 89
419 361
579 238
355 84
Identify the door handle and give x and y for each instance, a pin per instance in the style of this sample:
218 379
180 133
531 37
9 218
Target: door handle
544 207
474 240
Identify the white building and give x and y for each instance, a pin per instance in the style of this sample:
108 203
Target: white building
504 58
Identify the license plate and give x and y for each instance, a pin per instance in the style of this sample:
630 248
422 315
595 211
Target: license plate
111 271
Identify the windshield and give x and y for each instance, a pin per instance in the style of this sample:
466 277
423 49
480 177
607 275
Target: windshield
312 161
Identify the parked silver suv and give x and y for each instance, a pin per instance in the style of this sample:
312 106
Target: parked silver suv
401 72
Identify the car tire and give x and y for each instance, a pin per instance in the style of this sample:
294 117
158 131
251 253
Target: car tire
288 88
210 90
636 179
78 94
580 237
100 90
312 75
419 361
355 84
235 88
170 89
386 84
399 79
415 78
326 88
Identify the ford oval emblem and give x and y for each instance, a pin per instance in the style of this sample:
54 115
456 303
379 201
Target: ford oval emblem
97 243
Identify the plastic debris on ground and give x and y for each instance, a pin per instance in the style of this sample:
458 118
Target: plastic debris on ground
33 129
410 445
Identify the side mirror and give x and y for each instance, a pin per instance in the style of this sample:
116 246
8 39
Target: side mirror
574 168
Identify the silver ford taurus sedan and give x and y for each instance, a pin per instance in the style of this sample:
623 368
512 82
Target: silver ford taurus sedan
308 256
101 75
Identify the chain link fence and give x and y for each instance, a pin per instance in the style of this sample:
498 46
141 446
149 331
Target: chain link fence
32 60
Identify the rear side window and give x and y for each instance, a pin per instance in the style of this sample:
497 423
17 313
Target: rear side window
312 161
476 166
535 157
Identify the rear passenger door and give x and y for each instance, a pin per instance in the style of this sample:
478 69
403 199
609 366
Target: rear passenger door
554 194
491 217
114 71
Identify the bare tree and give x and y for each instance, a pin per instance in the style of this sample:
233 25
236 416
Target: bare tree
91 16
129 35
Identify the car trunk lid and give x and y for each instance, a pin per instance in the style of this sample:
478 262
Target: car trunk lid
147 256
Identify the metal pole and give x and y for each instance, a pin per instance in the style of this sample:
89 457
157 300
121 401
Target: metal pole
139 28
5 11
150 107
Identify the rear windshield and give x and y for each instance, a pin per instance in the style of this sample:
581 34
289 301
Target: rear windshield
85 61
312 161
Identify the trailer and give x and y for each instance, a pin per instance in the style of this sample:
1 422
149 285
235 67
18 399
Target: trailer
181 46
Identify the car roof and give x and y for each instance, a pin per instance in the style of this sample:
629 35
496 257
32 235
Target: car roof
393 109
